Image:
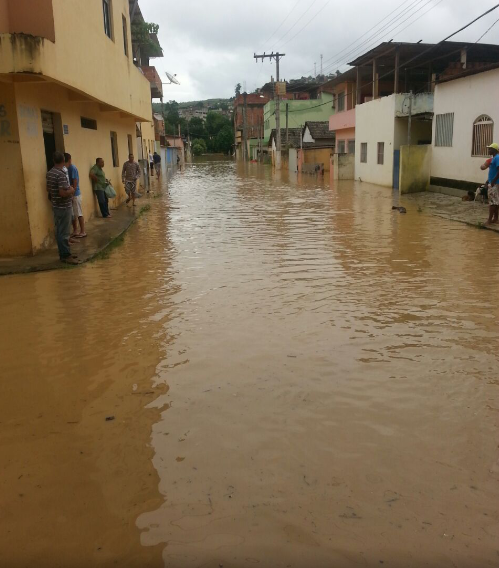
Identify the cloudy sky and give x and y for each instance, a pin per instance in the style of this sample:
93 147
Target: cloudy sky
210 44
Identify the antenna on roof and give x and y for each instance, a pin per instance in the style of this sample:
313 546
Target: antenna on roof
172 78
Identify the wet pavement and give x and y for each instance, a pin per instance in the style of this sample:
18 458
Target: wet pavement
268 372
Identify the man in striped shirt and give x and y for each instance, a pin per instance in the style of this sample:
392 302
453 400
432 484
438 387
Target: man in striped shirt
61 194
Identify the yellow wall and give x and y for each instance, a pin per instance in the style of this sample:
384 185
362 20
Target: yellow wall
83 144
82 57
415 163
14 227
318 156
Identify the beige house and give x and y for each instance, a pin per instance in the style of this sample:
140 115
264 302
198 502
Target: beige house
63 87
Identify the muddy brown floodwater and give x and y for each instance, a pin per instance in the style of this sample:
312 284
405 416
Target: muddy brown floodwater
299 377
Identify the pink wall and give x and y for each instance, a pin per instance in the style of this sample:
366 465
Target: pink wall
342 120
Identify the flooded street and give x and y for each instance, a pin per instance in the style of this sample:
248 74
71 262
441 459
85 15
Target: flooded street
268 372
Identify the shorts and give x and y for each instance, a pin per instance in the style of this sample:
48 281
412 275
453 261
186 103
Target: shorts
494 195
77 210
157 167
131 187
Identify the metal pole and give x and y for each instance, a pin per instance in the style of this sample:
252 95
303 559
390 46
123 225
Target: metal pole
278 118
287 124
245 134
410 120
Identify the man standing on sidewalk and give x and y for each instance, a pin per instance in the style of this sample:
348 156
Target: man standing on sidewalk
157 164
493 184
61 196
99 183
129 176
74 181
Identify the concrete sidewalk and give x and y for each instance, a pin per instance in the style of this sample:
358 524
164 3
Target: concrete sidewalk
452 208
101 233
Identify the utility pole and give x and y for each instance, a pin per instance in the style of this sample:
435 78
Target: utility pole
277 56
321 62
287 123
245 132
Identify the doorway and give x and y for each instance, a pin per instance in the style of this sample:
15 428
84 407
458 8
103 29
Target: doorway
53 138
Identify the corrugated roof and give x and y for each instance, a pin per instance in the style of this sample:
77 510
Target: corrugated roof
319 130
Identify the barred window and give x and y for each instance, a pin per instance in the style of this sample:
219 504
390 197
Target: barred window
351 146
444 130
341 147
363 152
483 135
381 153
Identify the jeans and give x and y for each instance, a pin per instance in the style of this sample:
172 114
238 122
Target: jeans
103 202
62 222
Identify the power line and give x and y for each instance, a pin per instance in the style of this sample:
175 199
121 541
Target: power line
374 39
483 35
401 14
309 22
295 24
282 23
431 48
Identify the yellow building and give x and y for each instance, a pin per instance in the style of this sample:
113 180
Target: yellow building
67 82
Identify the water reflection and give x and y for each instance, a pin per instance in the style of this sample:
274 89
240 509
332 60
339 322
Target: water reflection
335 384
318 372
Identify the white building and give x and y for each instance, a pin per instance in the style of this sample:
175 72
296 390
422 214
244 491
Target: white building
381 128
466 111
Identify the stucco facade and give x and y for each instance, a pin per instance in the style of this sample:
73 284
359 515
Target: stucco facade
384 120
468 98
299 112
90 90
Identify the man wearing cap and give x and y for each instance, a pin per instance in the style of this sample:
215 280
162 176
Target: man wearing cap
493 184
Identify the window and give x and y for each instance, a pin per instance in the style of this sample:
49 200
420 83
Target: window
130 144
106 7
125 36
341 147
483 135
381 153
341 101
114 149
363 153
89 123
351 146
444 130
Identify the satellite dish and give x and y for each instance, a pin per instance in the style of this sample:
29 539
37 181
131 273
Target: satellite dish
172 78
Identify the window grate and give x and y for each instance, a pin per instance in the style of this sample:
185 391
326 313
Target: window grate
444 130
114 149
341 147
363 152
341 101
351 146
381 153
483 135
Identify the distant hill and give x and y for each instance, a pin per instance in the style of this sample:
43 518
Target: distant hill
207 103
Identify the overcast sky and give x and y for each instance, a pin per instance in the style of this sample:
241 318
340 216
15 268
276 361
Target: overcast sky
210 44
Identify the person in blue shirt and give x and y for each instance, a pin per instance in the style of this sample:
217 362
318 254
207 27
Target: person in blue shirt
74 181
493 184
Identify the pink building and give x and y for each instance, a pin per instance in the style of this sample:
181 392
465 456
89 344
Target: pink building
343 121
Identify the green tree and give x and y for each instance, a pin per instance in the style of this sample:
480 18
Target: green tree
225 139
238 89
196 127
199 147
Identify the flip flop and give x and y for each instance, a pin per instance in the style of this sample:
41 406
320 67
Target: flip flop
81 235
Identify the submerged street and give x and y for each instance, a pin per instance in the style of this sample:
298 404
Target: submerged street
270 371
